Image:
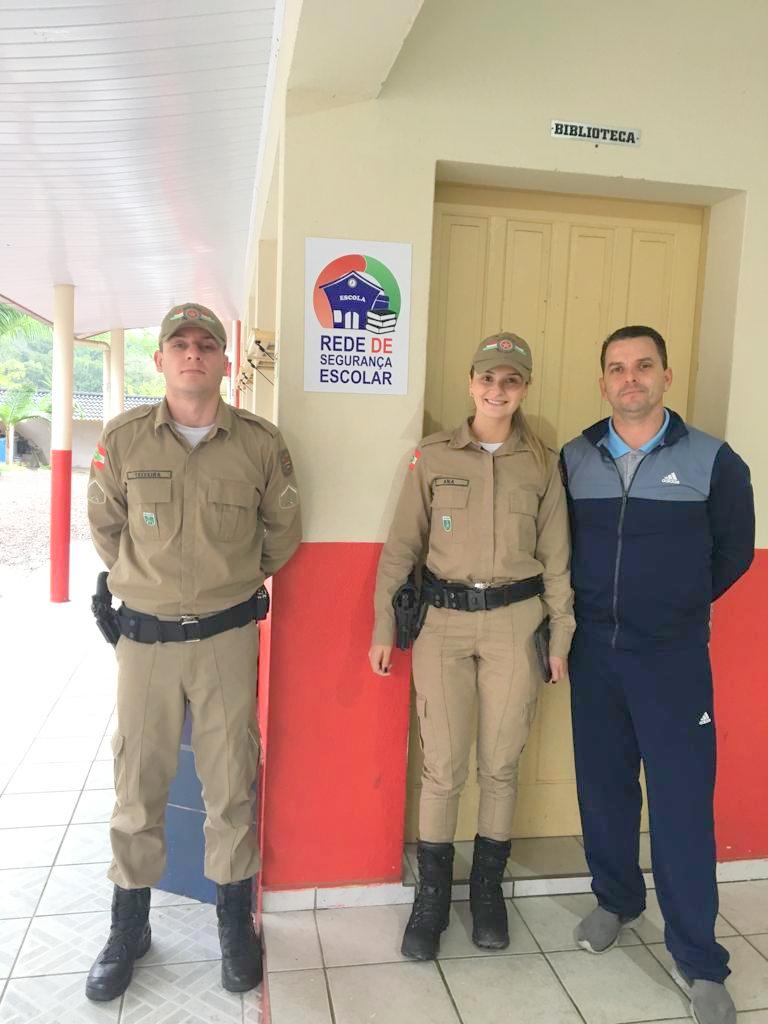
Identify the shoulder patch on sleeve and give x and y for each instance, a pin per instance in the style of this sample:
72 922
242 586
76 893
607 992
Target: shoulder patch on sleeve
96 494
289 497
99 458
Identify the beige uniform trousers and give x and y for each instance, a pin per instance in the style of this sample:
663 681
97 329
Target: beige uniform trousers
217 676
463 658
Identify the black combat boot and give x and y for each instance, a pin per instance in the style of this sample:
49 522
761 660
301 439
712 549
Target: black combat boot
241 968
129 939
432 905
490 928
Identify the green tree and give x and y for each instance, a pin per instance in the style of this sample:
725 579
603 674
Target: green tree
26 349
141 377
14 322
16 407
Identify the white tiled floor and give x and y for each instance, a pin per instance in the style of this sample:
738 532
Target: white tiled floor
542 975
55 801
325 966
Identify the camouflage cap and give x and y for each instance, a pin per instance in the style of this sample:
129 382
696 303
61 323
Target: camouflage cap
504 349
192 313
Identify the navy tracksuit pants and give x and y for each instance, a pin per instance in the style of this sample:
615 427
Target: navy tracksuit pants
632 705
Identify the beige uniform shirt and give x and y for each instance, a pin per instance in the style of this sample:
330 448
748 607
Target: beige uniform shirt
191 531
476 517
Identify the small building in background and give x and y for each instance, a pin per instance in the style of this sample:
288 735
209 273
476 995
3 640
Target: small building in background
33 436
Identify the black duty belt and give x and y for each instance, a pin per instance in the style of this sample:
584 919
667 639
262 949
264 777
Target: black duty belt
478 597
147 629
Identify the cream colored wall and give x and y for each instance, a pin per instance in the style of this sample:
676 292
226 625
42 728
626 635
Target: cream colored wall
478 84
718 314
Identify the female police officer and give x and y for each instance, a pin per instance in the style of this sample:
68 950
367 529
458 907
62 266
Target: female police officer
486 503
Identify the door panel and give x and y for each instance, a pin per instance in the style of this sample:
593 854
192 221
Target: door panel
587 316
563 272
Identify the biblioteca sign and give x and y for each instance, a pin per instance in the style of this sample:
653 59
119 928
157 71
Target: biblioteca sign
597 134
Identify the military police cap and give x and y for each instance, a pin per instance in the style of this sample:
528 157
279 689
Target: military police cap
504 349
192 313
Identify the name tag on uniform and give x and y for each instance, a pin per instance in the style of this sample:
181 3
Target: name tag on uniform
148 474
449 481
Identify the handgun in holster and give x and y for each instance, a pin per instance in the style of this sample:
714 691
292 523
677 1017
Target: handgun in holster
103 612
409 613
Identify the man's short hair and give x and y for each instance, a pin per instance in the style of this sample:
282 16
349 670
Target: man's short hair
636 331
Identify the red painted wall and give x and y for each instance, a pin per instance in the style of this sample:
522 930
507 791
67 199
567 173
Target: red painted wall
334 801
741 703
335 791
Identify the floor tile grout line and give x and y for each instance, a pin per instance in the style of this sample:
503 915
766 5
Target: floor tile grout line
137 968
568 995
52 708
64 835
526 925
331 1009
725 918
747 940
448 991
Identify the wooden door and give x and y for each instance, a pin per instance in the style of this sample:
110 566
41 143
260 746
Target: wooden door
563 272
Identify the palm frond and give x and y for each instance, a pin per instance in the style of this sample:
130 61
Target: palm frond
15 323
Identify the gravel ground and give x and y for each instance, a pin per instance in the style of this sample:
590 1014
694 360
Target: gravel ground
25 510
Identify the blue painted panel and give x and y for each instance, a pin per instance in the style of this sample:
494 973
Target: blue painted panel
184 818
186 853
186 790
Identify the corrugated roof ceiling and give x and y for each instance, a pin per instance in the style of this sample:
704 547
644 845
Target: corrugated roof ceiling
129 136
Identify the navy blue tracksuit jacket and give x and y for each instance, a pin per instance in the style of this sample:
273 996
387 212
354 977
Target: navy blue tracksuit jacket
648 561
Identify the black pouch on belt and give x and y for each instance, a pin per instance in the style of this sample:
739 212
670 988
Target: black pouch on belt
541 643
103 612
410 612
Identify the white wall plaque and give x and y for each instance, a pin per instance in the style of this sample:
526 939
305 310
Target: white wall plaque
357 302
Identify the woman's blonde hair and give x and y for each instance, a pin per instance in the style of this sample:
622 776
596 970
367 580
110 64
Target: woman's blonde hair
529 437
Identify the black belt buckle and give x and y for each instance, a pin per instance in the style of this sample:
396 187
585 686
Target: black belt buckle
190 625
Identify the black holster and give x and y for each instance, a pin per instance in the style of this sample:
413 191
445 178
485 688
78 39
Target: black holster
103 612
409 613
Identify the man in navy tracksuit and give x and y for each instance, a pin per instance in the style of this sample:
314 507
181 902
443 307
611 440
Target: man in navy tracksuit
662 518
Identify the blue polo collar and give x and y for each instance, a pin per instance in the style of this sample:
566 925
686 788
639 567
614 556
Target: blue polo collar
617 447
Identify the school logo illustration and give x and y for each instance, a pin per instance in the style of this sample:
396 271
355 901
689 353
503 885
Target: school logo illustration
357 302
357 293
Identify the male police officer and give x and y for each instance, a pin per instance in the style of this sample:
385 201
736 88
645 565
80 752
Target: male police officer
192 504
662 520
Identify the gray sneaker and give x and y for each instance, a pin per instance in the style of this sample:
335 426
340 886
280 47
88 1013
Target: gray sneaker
710 1000
599 931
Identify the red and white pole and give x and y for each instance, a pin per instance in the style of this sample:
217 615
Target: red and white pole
61 437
